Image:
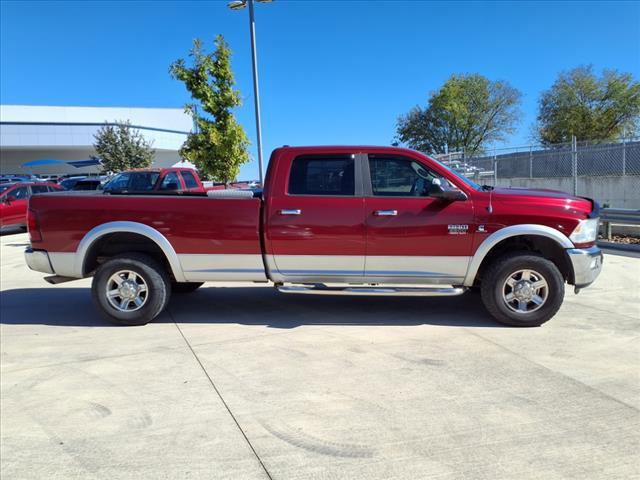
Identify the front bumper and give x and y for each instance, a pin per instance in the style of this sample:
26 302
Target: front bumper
586 263
38 260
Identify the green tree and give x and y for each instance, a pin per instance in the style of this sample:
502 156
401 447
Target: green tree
468 113
219 145
120 147
590 107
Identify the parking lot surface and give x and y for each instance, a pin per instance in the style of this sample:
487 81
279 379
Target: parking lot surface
242 382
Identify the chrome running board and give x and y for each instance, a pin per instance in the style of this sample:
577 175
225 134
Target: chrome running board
375 291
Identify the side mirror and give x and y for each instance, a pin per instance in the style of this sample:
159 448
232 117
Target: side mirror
8 199
448 194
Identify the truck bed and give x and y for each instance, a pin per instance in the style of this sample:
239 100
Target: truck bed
207 234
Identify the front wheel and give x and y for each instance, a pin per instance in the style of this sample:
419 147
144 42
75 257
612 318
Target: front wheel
522 290
131 289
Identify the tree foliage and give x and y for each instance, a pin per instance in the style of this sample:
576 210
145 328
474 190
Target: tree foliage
467 113
120 147
590 107
219 145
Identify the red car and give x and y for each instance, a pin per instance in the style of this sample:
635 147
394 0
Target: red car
14 198
155 180
369 220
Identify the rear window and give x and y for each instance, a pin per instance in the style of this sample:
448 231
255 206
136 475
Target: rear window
317 175
133 181
143 181
189 180
170 182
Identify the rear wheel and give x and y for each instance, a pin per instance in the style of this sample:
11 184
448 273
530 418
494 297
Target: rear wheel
131 289
522 290
185 287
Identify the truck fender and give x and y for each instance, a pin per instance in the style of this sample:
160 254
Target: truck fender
128 227
507 232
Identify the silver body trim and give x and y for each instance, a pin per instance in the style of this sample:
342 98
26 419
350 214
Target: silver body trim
420 270
205 267
507 232
38 260
64 264
587 265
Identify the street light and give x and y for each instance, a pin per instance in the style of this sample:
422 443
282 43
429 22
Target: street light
239 5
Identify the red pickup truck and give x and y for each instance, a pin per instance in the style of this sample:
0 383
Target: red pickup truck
331 220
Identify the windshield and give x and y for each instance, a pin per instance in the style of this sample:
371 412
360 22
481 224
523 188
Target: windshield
4 188
471 183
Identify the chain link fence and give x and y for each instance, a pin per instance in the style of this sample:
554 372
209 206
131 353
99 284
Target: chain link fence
606 172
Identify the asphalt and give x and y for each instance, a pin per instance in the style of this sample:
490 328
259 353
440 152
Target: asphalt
241 382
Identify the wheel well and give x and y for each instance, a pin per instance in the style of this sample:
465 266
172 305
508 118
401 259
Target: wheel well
113 244
544 246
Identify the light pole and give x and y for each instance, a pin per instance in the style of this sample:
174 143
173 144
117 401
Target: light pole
239 5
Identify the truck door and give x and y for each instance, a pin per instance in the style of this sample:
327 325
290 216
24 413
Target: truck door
316 227
412 237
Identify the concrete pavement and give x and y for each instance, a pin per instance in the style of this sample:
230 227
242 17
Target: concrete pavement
238 381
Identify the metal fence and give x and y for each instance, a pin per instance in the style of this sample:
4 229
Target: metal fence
608 172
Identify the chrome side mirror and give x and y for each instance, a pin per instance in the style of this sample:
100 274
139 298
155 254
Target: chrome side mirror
448 194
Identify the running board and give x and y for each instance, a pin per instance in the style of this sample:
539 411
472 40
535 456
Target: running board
376 291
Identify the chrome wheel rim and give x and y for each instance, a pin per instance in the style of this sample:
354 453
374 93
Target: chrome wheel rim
525 291
126 291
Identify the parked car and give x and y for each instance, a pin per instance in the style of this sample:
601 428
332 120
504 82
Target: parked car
14 198
70 182
364 218
161 180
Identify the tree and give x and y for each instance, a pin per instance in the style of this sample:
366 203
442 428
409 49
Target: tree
467 113
120 147
590 107
219 145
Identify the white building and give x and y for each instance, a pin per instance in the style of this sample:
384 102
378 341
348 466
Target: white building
29 133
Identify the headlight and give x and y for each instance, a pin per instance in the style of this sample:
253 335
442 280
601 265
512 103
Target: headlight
585 232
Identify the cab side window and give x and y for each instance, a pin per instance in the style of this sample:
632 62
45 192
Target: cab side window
399 177
322 175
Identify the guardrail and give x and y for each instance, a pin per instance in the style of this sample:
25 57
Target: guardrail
618 216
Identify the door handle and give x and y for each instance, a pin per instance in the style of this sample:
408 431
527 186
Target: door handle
385 213
290 212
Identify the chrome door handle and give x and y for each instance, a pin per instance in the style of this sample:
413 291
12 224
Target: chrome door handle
385 213
290 212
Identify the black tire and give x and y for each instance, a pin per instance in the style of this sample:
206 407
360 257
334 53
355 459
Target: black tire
494 284
185 287
152 274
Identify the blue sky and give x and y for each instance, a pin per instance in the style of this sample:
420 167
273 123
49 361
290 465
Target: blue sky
330 72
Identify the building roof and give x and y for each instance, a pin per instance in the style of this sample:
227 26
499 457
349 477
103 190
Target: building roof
42 127
172 119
